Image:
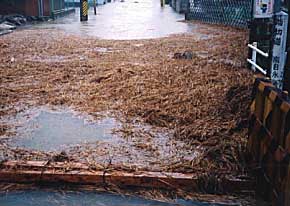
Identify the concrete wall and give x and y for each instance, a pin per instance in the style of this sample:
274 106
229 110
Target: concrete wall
58 4
173 4
181 6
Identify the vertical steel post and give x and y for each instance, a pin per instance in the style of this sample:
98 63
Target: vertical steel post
84 7
95 7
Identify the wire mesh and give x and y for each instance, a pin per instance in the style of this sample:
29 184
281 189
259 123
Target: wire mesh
229 12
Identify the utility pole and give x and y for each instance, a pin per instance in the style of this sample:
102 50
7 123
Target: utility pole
287 66
84 8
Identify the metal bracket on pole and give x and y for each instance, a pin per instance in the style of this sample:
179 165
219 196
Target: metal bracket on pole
253 62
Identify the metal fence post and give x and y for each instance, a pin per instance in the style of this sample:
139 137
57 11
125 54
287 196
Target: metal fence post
254 56
95 8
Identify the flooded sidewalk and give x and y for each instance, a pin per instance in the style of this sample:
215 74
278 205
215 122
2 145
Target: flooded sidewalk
131 19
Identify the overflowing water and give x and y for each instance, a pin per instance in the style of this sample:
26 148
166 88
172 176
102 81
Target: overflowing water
131 19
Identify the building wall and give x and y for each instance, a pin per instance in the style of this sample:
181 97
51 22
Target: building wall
30 8
24 7
9 7
58 4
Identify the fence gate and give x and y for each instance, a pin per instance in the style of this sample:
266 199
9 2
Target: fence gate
229 12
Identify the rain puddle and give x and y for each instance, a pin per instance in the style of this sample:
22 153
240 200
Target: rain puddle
103 50
49 130
47 198
86 139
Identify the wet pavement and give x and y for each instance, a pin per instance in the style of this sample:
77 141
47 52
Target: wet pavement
132 19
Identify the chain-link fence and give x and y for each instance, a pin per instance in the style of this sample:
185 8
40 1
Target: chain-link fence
229 12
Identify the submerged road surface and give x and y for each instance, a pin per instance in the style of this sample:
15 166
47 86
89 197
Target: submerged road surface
132 19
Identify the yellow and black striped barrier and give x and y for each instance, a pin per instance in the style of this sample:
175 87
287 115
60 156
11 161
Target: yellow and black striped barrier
84 8
269 142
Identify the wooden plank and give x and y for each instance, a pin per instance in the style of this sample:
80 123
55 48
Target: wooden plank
39 172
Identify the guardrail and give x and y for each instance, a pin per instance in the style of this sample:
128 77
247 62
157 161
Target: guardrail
254 58
269 142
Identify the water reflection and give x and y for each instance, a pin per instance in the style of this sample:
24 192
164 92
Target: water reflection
57 130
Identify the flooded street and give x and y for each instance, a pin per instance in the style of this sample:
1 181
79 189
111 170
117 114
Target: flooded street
160 116
131 19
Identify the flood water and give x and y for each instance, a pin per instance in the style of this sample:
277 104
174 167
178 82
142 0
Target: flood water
56 130
132 19
75 198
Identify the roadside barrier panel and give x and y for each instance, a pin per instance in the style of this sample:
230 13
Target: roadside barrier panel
269 141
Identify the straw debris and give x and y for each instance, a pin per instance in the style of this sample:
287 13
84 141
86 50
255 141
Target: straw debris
201 101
